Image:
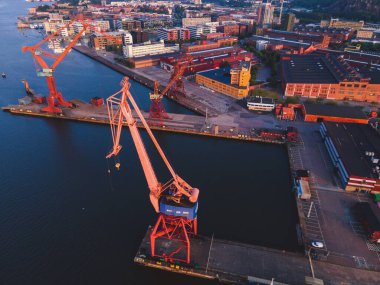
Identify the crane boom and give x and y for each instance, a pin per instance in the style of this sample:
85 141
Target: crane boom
123 114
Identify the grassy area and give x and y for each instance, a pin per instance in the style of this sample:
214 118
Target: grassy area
265 93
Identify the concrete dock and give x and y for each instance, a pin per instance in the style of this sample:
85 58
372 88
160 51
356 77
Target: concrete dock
176 123
240 263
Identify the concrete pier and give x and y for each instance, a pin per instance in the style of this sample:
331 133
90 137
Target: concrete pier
176 123
240 263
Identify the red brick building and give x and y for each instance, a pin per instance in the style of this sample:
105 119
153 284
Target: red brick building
328 77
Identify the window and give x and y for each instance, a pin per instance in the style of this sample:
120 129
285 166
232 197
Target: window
356 85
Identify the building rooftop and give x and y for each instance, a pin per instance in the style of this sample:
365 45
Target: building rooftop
306 69
334 111
353 142
221 75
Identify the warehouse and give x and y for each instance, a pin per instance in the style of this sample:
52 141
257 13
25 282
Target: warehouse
355 151
314 112
329 77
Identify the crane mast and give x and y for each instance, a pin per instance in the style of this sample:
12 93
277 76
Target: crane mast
176 201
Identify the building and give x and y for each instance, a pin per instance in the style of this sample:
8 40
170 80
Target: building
173 34
354 150
230 81
261 45
322 40
336 35
291 21
139 36
197 31
203 45
127 24
260 104
265 16
208 59
314 112
368 35
222 18
329 77
106 40
186 22
336 23
232 30
148 48
167 34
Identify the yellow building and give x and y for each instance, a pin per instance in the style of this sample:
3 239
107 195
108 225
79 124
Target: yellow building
230 81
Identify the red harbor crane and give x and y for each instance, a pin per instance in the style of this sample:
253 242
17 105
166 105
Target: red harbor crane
157 108
44 70
175 201
177 89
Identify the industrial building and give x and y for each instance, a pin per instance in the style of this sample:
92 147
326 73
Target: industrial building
305 37
328 77
230 81
354 150
203 45
207 59
314 112
336 35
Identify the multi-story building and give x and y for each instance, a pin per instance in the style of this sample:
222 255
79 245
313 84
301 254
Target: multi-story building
230 81
101 25
322 40
336 23
127 24
174 34
184 34
232 30
369 35
197 31
186 22
265 15
203 45
139 36
336 35
167 34
106 40
291 21
329 77
148 48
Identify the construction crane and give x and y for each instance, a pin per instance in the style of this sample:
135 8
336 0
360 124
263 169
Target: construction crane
177 89
175 201
44 70
157 108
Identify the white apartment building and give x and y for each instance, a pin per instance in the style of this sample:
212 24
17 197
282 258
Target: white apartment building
148 48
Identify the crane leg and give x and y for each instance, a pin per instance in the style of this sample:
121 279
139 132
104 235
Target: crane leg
51 108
